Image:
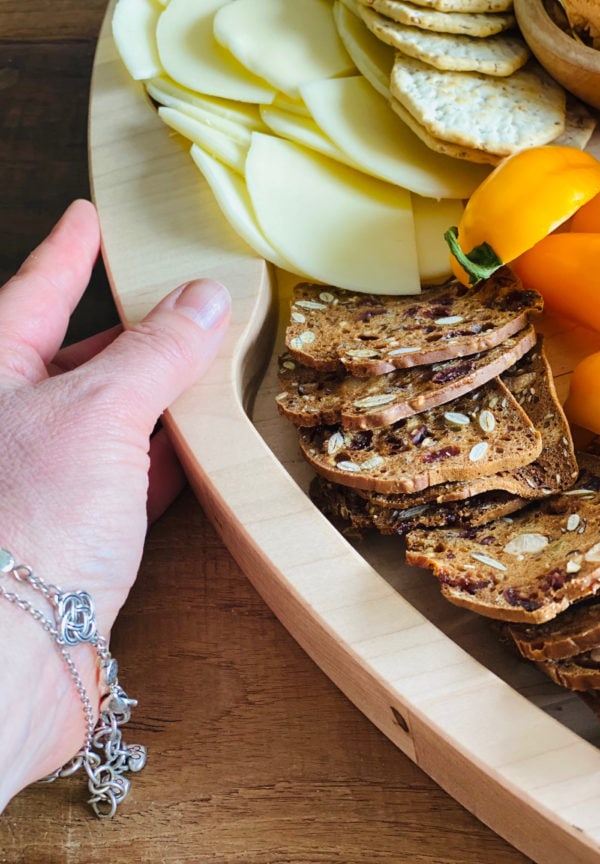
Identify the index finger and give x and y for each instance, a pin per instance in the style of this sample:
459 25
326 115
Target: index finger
36 303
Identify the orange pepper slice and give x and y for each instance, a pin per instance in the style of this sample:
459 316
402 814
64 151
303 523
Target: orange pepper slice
587 218
582 406
525 198
565 269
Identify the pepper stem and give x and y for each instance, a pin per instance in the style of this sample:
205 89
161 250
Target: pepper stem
479 263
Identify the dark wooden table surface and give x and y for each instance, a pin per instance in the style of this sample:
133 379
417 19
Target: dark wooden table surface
254 755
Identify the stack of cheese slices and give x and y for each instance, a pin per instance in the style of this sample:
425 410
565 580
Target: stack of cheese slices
435 418
464 80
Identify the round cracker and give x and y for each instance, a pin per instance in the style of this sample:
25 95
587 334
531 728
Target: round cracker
482 112
469 24
501 54
460 5
445 147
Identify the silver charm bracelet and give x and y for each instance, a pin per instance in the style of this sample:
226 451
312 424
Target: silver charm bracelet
104 755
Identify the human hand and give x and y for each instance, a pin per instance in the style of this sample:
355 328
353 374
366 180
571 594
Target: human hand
75 455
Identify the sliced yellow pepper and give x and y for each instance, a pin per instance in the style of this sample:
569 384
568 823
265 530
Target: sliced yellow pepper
527 196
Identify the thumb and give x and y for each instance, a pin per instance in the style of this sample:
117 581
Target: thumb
157 359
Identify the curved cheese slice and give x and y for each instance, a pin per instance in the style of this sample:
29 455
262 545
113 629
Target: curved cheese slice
134 31
359 121
432 220
372 58
167 92
230 150
293 106
302 130
232 197
344 227
191 56
286 42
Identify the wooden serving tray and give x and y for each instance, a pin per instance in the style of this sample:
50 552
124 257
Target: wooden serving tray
513 748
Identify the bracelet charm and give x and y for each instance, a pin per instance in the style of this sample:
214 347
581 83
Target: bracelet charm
104 755
76 617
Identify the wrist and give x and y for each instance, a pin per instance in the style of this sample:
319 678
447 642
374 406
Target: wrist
42 724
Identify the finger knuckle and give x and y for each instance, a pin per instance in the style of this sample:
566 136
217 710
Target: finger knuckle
170 345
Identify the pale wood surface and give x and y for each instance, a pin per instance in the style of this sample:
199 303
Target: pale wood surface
255 755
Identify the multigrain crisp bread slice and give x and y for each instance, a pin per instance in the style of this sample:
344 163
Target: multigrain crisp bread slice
501 54
468 23
459 5
528 568
483 432
369 334
581 672
570 633
481 112
531 383
348 509
310 397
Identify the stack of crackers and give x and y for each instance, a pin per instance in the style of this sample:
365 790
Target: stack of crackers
464 80
435 419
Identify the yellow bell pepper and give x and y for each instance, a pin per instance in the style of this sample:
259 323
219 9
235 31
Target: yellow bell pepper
583 402
527 196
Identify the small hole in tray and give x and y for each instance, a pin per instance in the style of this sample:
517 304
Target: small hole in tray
399 719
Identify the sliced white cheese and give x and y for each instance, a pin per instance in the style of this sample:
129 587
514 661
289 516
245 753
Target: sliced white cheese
359 121
236 131
286 103
191 56
286 42
303 130
344 227
432 220
167 92
370 55
134 32
229 150
232 197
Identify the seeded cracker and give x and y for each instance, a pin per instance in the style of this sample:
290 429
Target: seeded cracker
370 334
570 633
481 112
501 54
459 5
469 24
531 382
348 506
311 398
529 568
485 432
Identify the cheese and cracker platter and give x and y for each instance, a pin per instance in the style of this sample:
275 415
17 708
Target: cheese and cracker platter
387 441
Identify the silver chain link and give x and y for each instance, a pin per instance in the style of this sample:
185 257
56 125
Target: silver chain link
104 755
